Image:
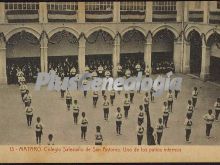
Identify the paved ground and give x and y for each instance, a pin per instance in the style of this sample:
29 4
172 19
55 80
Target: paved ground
57 120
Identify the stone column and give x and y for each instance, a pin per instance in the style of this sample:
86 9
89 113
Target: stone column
147 51
116 11
3 75
206 12
2 12
116 55
43 51
149 11
177 54
82 54
185 11
204 75
186 57
179 9
43 12
81 12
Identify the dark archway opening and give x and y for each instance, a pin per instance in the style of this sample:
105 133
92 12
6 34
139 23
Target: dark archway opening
214 44
195 52
162 52
23 52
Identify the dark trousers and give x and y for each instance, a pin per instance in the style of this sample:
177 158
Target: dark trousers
151 97
140 120
118 127
146 107
165 120
95 99
75 118
170 106
22 96
26 103
188 133
176 93
131 97
103 92
68 102
62 93
139 139
159 136
112 99
84 93
194 100
208 129
217 112
83 132
106 112
38 136
29 119
190 114
126 109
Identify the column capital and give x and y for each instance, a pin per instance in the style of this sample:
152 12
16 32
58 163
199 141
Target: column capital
178 41
44 39
2 41
117 39
149 38
82 42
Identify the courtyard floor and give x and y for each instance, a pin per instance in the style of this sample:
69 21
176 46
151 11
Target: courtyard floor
58 121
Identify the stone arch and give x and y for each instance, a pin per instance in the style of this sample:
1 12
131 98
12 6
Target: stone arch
59 29
17 30
141 30
190 29
173 30
106 29
210 33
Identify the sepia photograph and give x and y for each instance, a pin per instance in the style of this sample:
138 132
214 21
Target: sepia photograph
109 73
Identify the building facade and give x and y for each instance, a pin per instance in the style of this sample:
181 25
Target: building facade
186 31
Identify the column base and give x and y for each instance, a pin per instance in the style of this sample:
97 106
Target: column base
114 73
177 69
186 69
3 80
205 76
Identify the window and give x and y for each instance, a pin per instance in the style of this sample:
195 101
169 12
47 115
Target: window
164 5
62 6
218 4
99 6
133 6
21 5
